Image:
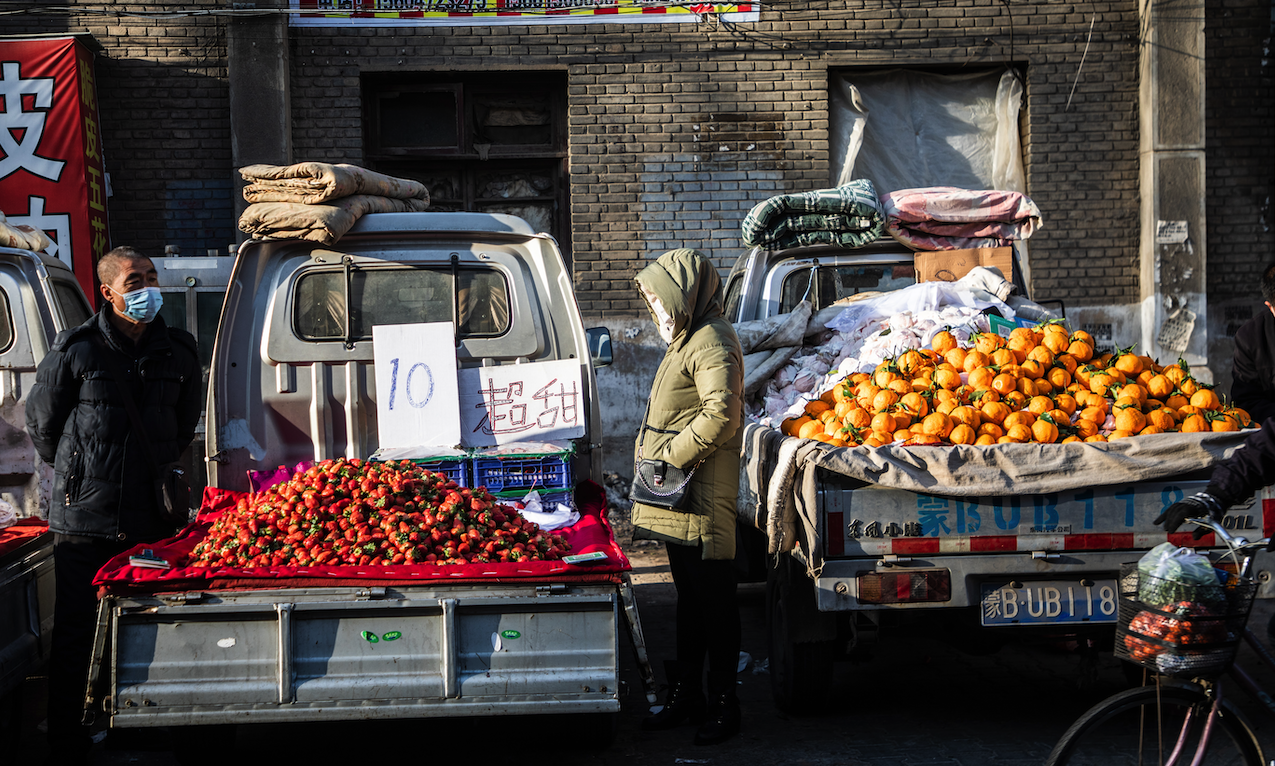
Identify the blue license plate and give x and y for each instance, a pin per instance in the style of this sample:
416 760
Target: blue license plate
1049 602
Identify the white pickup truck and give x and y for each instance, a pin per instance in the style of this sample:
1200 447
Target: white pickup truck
870 550
293 379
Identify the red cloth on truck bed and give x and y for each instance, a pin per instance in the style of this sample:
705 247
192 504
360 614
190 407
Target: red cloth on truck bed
590 533
23 530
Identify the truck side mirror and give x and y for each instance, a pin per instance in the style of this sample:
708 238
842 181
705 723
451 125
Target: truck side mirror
599 340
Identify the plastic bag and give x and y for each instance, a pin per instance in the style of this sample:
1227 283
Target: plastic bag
1182 565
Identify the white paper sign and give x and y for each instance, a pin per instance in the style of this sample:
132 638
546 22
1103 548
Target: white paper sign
416 392
1170 232
540 401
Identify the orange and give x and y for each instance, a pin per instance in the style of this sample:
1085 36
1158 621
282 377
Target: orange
884 400
1151 429
1119 435
884 437
915 403
974 360
1004 383
1159 386
1189 386
962 434
1096 414
909 362
987 342
899 386
1019 433
1086 428
1044 431
1130 418
943 396
1068 362
1003 356
991 429
1005 440
1081 350
1189 409
1032 369
966 415
995 412
1241 415
1059 417
1162 418
902 435
903 417
949 379
1071 439
943 341
1015 400
1176 402
792 426
924 440
937 424
1059 377
1039 405
1096 438
981 378
1042 355
884 422
858 418
1221 421
946 406
1065 402
1205 399
873 441
984 440
1134 391
817 406
1100 382
809 429
1176 373
956 357
829 396
1194 424
1129 363
1020 418
1043 388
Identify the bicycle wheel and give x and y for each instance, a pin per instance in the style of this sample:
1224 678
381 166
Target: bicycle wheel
1140 727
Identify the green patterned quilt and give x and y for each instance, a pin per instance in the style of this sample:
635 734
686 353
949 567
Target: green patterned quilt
848 215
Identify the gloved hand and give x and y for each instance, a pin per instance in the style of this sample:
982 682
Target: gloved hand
1195 506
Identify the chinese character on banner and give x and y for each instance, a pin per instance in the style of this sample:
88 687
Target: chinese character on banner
51 171
540 401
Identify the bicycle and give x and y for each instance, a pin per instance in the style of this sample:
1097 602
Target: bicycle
1177 720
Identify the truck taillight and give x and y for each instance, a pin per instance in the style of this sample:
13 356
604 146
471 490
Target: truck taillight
905 587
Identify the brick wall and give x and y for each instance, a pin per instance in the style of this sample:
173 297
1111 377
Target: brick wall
1240 153
162 93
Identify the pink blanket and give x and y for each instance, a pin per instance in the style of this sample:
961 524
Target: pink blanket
948 218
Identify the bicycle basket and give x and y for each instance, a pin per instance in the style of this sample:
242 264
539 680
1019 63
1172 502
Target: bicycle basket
1179 629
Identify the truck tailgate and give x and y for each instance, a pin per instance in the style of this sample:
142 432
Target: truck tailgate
875 521
359 653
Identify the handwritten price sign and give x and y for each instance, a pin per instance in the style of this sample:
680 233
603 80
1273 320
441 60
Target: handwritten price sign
416 392
539 401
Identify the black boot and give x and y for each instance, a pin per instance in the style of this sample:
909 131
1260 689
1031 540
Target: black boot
723 710
685 702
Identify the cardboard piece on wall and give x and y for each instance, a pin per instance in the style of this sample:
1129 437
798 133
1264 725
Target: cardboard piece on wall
951 265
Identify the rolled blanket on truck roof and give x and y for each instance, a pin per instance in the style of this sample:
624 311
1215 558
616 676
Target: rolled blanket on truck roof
948 218
320 202
22 237
849 216
313 183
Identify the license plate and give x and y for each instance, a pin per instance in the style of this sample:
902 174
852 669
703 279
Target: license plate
1049 602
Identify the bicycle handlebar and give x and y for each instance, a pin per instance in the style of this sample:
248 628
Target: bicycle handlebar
1236 543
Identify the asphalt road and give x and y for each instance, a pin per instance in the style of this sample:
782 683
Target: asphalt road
919 701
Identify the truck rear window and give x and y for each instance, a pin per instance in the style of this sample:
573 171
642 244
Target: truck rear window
838 283
479 300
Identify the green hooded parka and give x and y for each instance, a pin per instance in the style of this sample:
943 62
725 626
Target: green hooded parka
696 404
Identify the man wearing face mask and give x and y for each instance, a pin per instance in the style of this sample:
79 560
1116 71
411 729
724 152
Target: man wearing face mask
103 500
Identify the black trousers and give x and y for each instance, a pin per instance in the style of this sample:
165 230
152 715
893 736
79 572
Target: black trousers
707 612
75 562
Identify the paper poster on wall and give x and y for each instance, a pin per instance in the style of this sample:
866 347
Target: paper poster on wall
416 391
540 401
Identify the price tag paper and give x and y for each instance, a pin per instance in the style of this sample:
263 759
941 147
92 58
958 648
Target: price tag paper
417 401
538 401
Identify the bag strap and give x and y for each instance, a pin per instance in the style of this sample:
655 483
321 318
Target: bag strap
129 404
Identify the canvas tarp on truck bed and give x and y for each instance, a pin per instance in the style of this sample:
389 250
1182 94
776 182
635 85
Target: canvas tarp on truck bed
780 489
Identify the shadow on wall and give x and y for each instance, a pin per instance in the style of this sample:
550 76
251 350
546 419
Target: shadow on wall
623 388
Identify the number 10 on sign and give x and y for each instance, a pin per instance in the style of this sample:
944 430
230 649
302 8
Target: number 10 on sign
417 403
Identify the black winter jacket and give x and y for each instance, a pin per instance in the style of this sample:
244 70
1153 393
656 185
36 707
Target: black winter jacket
1253 368
1248 470
103 483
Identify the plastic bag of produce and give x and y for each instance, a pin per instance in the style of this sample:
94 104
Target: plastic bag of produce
1168 574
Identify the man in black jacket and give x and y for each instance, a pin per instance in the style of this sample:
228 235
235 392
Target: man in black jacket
104 498
1253 367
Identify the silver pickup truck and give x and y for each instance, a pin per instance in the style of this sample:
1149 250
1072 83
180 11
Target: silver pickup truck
293 379
978 569
39 297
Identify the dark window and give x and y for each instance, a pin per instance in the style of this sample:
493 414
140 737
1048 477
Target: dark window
75 310
399 296
481 142
840 283
6 322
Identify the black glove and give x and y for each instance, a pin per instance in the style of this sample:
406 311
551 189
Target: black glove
1195 506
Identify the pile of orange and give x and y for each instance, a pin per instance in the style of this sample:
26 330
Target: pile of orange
1040 384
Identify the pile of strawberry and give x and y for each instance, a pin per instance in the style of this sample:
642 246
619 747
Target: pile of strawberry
1188 623
353 512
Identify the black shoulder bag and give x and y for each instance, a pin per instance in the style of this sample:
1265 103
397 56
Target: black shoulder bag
172 491
658 483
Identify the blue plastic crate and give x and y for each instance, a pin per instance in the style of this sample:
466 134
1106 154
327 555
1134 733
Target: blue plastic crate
459 470
500 474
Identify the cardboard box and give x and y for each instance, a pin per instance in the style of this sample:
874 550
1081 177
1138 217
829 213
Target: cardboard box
951 265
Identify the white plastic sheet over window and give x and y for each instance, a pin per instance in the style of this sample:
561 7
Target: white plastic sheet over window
904 129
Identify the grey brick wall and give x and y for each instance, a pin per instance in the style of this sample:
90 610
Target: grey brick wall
676 130
162 93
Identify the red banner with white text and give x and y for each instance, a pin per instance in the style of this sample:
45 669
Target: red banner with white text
51 170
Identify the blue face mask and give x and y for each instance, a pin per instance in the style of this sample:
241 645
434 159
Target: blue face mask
142 304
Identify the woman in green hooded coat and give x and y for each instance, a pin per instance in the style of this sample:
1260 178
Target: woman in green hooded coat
694 420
